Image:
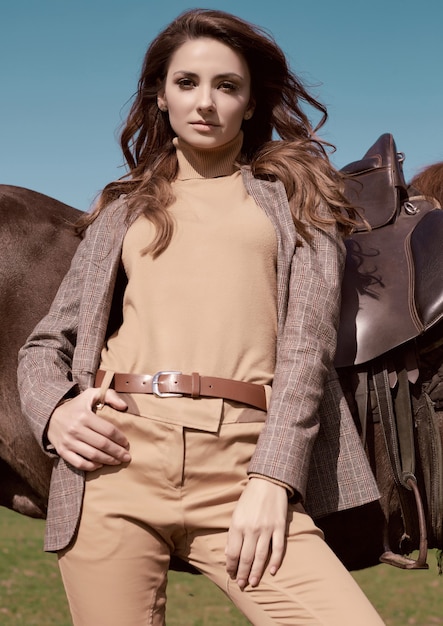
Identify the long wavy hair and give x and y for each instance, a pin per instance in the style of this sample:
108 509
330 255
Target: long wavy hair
298 157
429 181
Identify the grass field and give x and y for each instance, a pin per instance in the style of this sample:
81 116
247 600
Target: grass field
31 593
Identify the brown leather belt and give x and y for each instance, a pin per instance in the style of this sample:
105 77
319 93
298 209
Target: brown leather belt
167 384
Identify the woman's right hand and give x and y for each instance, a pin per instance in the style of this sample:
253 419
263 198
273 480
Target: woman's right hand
84 439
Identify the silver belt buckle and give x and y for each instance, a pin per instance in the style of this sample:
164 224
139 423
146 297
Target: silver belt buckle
162 394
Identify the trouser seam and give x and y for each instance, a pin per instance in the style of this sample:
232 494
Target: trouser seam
152 609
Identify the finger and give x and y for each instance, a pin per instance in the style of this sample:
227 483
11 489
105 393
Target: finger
71 448
78 461
100 451
278 551
96 424
261 557
109 448
246 559
106 444
79 435
232 551
115 400
253 557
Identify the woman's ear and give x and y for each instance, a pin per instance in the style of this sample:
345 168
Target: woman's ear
161 97
161 103
249 111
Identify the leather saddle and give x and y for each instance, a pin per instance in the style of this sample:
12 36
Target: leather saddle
393 282
392 293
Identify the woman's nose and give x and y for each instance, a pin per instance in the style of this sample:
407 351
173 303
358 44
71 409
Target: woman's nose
205 100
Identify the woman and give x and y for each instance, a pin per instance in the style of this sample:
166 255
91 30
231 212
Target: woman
209 273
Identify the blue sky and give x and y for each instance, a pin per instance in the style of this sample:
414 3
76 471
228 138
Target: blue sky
69 67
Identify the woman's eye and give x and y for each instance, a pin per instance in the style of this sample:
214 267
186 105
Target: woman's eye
228 86
185 83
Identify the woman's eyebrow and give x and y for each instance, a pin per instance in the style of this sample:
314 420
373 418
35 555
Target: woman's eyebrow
225 75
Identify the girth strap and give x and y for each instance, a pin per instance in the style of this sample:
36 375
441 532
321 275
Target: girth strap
397 424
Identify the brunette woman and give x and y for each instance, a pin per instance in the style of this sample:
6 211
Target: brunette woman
183 379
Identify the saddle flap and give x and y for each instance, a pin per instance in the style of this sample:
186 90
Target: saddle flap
427 254
392 286
375 184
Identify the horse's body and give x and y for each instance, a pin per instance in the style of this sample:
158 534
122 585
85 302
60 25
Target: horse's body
37 242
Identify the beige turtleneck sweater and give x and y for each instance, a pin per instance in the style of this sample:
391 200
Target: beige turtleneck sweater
207 304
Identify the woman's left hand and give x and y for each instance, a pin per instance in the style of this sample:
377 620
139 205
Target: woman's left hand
257 532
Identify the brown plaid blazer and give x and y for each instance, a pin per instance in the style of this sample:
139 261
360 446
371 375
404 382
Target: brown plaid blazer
309 440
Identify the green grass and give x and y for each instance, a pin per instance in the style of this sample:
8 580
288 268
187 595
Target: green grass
404 597
31 591
30 587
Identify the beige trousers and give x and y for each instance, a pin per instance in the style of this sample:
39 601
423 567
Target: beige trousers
177 495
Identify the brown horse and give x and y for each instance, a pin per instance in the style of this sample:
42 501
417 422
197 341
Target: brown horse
37 240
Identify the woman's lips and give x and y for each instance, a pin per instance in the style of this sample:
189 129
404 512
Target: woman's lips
203 125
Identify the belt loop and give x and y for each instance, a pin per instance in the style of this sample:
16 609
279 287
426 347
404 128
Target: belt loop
106 383
268 393
195 385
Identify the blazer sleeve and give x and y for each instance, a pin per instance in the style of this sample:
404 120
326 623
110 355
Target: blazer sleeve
305 353
45 361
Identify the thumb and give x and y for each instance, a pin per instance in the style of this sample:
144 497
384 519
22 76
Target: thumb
115 400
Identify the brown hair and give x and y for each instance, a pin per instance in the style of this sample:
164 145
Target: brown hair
429 181
298 159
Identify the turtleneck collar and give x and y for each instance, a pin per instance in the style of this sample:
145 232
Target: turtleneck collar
207 163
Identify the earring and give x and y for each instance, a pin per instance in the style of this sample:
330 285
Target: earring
247 115
163 108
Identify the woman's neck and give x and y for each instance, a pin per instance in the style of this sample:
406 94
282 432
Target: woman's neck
207 163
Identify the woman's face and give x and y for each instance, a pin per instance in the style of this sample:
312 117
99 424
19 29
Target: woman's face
207 93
